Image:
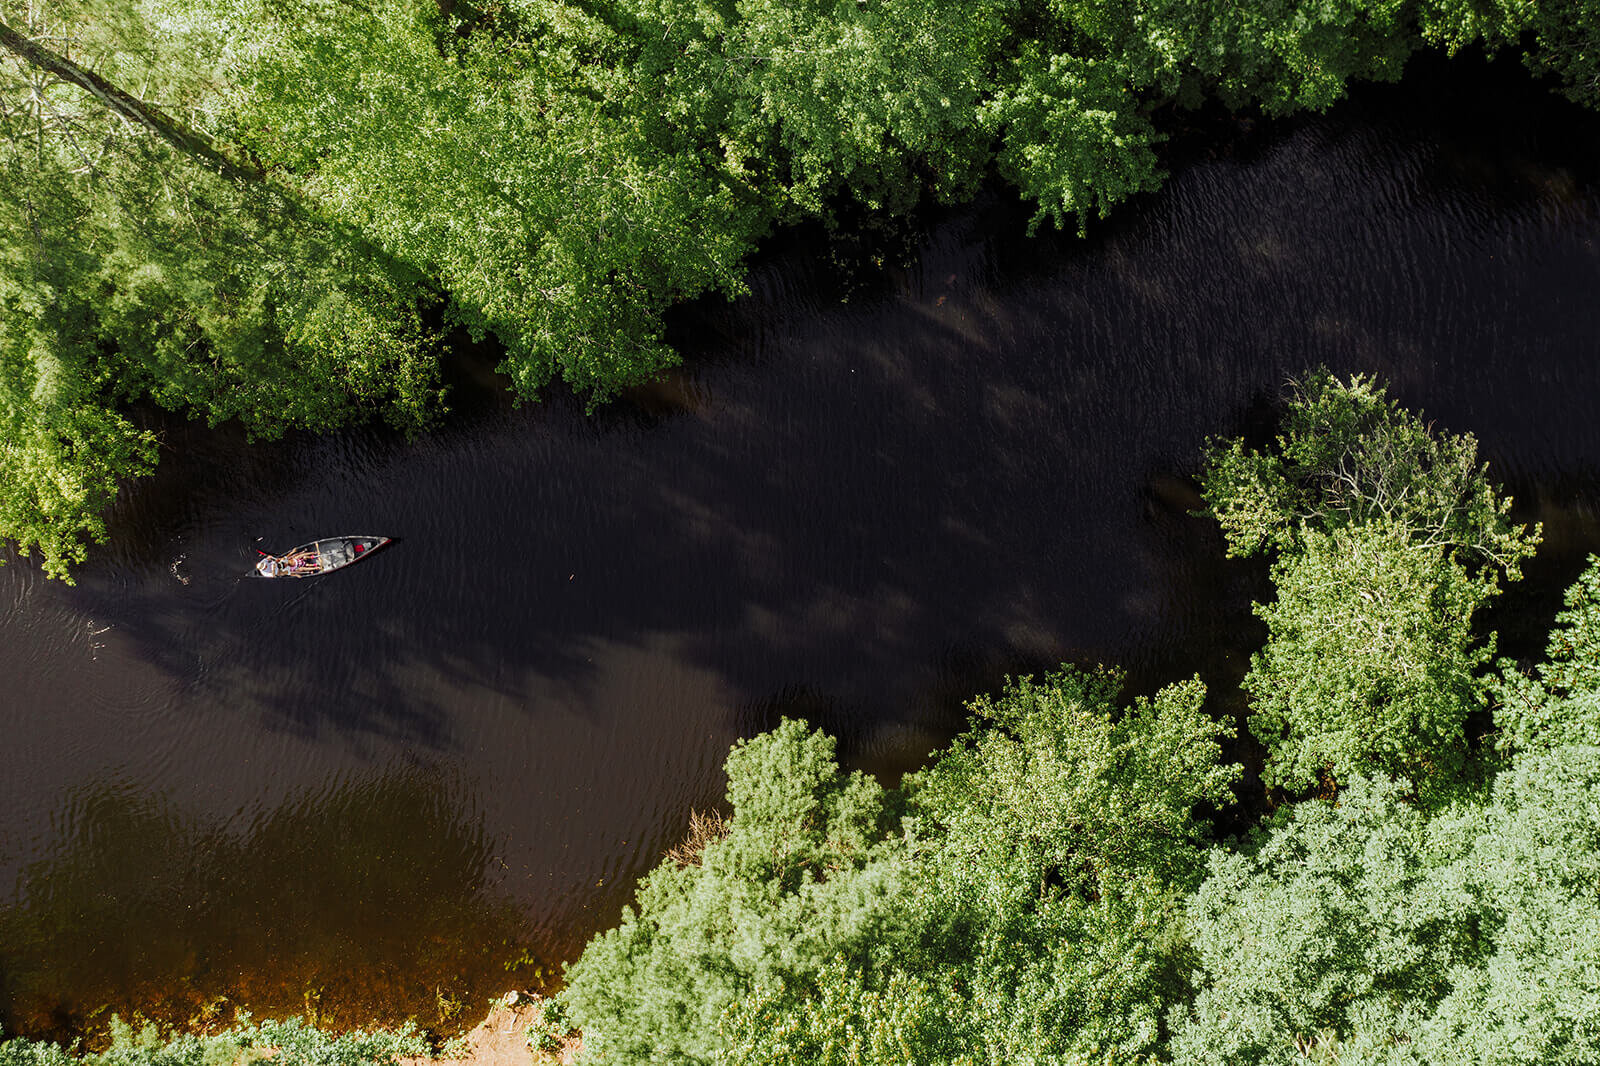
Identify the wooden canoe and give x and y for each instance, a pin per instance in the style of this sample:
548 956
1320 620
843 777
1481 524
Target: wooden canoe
319 556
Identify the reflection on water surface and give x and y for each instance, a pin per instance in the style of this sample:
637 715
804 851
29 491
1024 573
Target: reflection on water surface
377 895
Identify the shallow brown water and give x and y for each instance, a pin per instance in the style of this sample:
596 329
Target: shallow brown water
396 791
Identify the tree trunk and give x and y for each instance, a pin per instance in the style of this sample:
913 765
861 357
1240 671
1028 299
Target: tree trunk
190 142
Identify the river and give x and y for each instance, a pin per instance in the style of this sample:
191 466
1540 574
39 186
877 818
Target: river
404 788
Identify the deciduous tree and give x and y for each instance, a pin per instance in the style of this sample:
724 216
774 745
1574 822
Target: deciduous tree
141 262
1020 900
1387 537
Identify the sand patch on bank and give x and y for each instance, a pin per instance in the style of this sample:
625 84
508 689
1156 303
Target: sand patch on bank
501 1039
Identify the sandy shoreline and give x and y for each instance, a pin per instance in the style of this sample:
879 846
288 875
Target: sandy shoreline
501 1039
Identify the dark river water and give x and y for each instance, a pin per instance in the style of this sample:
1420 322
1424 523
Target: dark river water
404 788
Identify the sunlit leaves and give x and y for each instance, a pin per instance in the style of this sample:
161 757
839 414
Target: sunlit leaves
807 872
1560 37
1350 455
1072 135
1027 907
1339 929
1387 537
1403 922
131 270
292 1043
1060 836
1370 660
1532 871
1072 791
62 454
1302 54
874 100
501 166
844 1019
1368 931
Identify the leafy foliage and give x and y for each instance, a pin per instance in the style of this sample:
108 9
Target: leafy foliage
806 872
1536 994
872 100
1371 661
506 165
1376 929
1069 140
1368 932
290 1042
1572 657
1337 923
1557 706
848 1020
1021 898
1560 37
1388 537
1349 455
1061 835
129 270
321 183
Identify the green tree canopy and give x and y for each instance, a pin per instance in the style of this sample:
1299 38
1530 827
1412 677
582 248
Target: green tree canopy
292 1042
1018 901
1556 705
1387 537
1335 931
1061 834
1349 455
136 266
257 210
808 871
1371 659
1368 931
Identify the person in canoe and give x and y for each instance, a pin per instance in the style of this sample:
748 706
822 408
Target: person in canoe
319 557
302 562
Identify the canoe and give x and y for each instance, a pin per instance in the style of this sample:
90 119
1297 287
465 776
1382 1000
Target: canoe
320 556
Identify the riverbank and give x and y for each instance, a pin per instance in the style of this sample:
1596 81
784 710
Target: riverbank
501 1039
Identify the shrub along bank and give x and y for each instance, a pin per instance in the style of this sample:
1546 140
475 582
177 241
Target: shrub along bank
290 1043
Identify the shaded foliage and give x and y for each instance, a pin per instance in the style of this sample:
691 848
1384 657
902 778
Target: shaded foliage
1555 704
